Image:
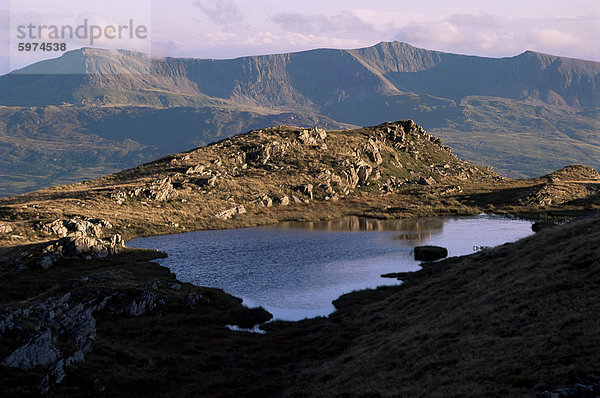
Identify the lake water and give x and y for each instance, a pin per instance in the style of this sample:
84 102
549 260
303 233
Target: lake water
295 270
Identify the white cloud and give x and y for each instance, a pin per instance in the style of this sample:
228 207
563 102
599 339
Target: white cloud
4 41
552 37
224 12
494 35
343 22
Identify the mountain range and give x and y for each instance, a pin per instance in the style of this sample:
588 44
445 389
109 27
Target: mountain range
91 112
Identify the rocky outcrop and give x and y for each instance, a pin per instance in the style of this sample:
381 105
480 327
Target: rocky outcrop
314 136
557 193
199 168
426 181
350 178
260 154
364 172
79 237
5 229
41 326
584 387
263 153
84 226
145 302
160 190
306 189
265 200
574 173
373 150
430 253
227 214
79 244
38 351
284 200
60 330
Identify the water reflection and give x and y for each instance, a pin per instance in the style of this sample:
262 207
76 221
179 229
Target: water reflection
355 223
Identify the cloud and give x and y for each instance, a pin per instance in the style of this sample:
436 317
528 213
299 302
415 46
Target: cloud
224 12
552 37
493 35
479 21
4 41
343 22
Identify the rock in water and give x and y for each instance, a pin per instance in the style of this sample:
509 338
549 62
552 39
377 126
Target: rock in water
430 253
540 225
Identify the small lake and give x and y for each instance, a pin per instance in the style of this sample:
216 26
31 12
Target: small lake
295 270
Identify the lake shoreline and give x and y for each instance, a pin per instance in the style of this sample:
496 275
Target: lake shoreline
348 254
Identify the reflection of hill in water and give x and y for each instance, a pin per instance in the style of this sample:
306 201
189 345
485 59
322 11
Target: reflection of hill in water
414 228
414 237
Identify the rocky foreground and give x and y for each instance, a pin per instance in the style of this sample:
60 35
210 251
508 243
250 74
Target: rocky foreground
517 320
80 314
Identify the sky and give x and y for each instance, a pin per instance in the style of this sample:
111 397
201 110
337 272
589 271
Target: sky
234 28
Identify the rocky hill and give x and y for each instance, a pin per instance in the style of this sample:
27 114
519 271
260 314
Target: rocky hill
525 115
267 173
281 173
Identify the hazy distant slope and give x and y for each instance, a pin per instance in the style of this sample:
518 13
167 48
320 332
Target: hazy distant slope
44 146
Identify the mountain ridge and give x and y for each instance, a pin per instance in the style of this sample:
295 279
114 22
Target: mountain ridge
524 115
276 79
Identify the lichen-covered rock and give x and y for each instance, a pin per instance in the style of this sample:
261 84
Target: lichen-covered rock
373 151
161 190
284 200
364 172
84 226
350 177
5 229
78 244
306 189
227 214
260 154
265 200
199 168
426 181
143 304
312 136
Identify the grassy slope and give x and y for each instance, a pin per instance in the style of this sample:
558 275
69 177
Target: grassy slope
521 139
496 323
